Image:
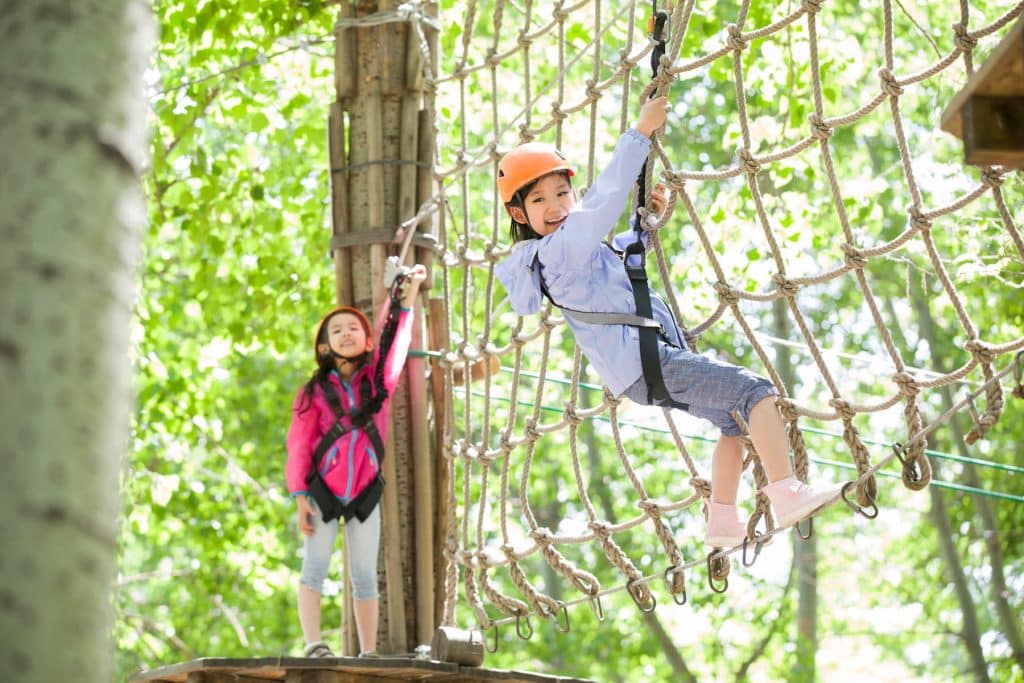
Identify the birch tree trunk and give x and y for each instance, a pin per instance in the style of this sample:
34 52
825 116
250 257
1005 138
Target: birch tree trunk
71 212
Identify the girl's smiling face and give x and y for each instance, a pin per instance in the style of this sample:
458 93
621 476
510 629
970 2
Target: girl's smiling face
547 204
346 335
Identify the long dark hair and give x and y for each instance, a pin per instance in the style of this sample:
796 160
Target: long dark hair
325 364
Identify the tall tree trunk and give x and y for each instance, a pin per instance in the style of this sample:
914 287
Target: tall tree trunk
939 513
1009 622
71 146
805 552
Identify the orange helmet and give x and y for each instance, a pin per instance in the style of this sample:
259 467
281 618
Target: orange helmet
323 324
525 164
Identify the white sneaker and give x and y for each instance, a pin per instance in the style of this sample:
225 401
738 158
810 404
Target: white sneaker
792 500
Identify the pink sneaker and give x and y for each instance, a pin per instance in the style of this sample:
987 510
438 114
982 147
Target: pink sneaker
725 526
792 500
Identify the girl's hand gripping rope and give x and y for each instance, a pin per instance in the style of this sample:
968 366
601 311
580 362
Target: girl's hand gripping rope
652 115
397 279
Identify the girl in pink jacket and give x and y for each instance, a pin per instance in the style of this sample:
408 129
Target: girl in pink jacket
340 419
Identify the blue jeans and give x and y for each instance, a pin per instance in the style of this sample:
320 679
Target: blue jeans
362 543
711 388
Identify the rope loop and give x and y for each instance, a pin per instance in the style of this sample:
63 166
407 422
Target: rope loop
571 416
728 294
843 407
542 535
890 86
701 486
642 595
918 220
788 409
819 129
785 285
650 506
675 579
963 40
854 257
908 386
747 161
980 350
736 41
991 178
674 179
530 430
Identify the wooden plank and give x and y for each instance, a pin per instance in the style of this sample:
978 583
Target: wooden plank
1002 75
335 670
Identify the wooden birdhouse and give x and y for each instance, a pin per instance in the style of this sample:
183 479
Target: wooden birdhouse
988 112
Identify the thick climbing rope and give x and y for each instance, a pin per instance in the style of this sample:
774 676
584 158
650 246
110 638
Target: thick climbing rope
539 81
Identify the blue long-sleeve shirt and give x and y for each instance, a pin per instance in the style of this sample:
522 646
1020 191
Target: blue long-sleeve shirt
581 272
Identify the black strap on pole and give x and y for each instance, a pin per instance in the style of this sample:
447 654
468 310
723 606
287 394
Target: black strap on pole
650 361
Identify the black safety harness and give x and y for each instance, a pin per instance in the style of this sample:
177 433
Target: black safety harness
649 330
372 394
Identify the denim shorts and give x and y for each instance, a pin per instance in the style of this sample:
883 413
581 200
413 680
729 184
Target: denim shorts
362 544
711 389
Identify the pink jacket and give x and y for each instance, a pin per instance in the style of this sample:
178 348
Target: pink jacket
350 464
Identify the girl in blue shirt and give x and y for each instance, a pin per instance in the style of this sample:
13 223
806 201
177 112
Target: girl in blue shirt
560 253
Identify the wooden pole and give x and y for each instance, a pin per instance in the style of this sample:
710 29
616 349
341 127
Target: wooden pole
382 170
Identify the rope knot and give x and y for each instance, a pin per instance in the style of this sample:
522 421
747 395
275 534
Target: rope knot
854 257
963 40
601 529
843 407
593 93
908 386
785 285
571 416
727 293
812 6
701 486
919 221
747 161
674 179
787 409
890 86
524 41
557 114
610 399
736 41
649 506
980 350
542 536
991 178
530 430
509 551
561 13
819 129
492 59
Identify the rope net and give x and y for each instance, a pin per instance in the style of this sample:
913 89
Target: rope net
733 248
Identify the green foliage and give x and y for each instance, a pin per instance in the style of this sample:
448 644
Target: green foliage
236 272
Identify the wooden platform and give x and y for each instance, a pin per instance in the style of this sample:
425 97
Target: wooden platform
988 112
334 670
